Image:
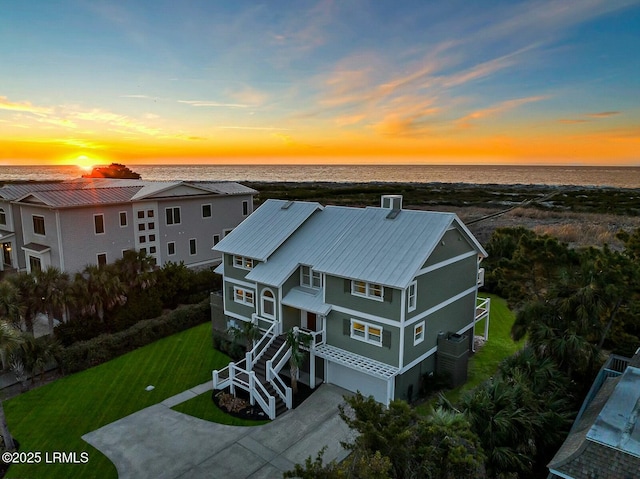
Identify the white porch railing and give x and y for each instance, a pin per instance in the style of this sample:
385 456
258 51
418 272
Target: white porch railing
317 337
483 308
480 277
261 346
240 375
284 391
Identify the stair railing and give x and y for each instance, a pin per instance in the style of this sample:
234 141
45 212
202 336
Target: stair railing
261 346
271 372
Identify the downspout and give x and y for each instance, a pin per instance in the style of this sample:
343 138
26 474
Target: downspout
59 234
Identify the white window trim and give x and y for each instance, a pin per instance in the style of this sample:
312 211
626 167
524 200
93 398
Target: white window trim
412 299
104 227
226 232
312 274
173 215
417 340
44 225
241 262
366 338
214 239
195 246
174 248
369 287
245 202
242 292
3 214
126 219
210 210
263 298
106 258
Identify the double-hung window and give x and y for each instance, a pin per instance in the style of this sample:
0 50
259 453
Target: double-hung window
367 290
172 215
369 333
418 333
98 223
243 296
412 292
310 278
242 262
38 225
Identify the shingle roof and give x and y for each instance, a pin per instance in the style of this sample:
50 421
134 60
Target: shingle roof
604 440
341 241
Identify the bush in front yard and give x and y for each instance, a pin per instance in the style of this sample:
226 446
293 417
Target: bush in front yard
85 354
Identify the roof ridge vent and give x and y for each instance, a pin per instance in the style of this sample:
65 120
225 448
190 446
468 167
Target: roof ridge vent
286 205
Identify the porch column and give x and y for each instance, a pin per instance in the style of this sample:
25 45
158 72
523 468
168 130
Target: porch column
312 366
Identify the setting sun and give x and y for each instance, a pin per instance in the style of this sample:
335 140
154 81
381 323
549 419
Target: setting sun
84 162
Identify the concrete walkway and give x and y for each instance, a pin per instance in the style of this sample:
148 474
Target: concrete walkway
161 443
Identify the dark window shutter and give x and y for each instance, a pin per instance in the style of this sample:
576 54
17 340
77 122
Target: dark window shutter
346 327
386 339
347 285
387 294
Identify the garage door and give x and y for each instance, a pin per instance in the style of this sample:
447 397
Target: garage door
352 380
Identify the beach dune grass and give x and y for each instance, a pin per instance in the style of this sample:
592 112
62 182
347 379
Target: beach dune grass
55 416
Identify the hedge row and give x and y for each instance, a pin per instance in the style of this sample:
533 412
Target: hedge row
85 354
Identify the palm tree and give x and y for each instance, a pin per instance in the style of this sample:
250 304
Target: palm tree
10 308
248 331
98 290
52 286
135 269
35 353
9 340
295 341
27 296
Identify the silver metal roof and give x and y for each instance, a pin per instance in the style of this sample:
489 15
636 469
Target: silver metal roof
92 191
348 242
83 197
267 228
306 299
616 425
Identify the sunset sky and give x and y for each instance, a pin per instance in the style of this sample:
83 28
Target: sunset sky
348 81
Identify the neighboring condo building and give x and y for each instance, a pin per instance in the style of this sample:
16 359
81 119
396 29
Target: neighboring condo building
71 224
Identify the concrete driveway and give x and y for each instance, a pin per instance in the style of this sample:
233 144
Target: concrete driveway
158 442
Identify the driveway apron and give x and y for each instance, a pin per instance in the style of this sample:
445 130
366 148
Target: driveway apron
158 442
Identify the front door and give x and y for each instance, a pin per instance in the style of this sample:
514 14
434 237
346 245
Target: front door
311 321
6 254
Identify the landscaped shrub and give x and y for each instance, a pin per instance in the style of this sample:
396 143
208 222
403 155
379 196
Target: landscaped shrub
81 328
232 349
144 304
85 354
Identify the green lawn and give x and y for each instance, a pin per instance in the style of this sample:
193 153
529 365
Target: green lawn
202 407
484 363
55 416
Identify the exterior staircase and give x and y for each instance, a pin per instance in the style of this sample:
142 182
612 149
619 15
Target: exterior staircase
260 368
253 378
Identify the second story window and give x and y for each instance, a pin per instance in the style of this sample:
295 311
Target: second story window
3 217
206 211
242 262
173 215
310 278
243 296
367 290
123 218
98 223
38 225
412 296
245 208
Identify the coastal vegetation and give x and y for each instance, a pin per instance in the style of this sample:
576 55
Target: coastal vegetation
573 306
53 417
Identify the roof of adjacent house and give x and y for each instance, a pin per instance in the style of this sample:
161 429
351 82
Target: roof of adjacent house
605 439
94 191
355 243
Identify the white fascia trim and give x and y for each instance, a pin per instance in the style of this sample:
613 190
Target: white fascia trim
437 307
60 248
202 263
421 358
559 474
424 356
236 315
239 282
371 317
446 262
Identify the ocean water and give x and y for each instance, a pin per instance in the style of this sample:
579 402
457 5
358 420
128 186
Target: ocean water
617 177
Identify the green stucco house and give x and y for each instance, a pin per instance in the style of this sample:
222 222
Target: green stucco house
375 288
